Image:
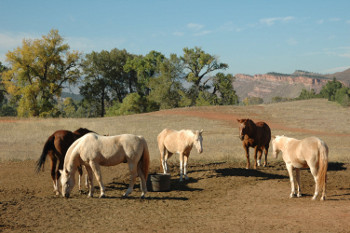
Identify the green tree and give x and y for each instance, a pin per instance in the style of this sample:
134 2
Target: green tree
105 78
224 89
69 107
342 96
305 94
328 91
198 66
253 100
39 70
166 86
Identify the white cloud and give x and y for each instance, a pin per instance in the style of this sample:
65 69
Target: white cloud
272 21
177 33
195 26
321 21
202 33
334 19
347 21
292 41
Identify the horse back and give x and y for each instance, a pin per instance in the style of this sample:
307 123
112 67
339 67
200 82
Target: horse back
263 134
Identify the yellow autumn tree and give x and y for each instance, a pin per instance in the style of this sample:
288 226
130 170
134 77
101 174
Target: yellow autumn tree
38 72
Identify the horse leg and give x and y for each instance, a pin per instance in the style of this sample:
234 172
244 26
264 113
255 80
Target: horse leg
290 172
259 157
246 148
266 149
255 154
54 175
297 172
164 158
314 171
80 171
133 174
181 166
97 171
143 185
185 166
89 181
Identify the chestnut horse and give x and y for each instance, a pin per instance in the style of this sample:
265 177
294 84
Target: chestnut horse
310 152
56 147
93 150
256 135
181 142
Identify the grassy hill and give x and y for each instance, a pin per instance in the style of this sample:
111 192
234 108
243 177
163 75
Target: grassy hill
23 139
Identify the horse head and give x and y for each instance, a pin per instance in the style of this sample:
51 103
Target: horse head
246 127
198 141
82 131
275 146
67 182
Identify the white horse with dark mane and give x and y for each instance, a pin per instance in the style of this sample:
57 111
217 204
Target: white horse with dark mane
93 150
171 141
310 152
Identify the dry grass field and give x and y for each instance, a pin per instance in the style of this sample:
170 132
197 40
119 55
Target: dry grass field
220 196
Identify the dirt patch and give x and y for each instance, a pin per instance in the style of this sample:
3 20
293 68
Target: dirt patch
218 197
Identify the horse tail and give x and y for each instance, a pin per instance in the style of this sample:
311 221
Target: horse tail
144 162
323 166
49 145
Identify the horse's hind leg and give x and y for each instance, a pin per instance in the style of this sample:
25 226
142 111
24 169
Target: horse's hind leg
133 174
185 166
54 175
314 173
297 172
259 157
266 151
246 148
142 181
89 181
97 171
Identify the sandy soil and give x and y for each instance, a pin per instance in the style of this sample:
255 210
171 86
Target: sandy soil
218 197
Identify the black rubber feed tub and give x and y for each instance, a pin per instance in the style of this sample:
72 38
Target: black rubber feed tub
158 182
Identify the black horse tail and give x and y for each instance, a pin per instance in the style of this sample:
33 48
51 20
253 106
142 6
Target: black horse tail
49 145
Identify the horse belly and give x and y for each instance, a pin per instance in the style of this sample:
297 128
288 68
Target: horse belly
111 161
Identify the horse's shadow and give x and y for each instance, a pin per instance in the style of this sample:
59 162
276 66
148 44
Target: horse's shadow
249 173
176 185
336 166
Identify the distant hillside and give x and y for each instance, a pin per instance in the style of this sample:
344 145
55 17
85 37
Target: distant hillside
267 86
75 97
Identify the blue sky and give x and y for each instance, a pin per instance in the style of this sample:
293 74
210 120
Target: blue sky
252 37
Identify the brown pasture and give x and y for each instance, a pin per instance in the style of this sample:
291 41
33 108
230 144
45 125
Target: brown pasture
220 196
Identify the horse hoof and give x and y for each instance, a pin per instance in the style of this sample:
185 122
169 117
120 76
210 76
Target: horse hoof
102 196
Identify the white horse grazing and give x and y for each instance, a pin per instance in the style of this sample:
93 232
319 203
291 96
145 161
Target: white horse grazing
310 152
93 150
181 142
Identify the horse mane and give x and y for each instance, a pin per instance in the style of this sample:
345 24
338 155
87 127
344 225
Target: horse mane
82 131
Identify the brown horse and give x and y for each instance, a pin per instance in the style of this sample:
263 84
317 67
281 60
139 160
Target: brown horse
56 147
256 135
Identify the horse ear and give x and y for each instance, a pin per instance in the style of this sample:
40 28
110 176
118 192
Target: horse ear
201 131
239 120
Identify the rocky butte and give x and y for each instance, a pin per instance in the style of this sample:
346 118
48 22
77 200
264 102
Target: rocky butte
267 86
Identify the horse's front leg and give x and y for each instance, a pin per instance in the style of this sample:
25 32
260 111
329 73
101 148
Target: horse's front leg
80 171
290 172
297 173
246 148
165 162
97 171
259 157
54 175
255 156
181 166
185 166
133 174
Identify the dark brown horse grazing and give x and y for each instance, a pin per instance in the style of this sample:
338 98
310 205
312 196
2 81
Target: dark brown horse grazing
256 135
56 147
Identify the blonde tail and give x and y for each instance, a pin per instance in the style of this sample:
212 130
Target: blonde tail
322 169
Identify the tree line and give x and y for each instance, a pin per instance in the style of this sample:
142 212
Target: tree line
113 82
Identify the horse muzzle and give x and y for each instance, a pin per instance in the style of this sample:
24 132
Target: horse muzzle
66 195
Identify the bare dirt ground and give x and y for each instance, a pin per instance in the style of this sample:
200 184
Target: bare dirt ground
218 197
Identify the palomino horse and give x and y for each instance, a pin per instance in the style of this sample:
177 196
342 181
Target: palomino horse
181 142
93 150
256 135
310 152
56 147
